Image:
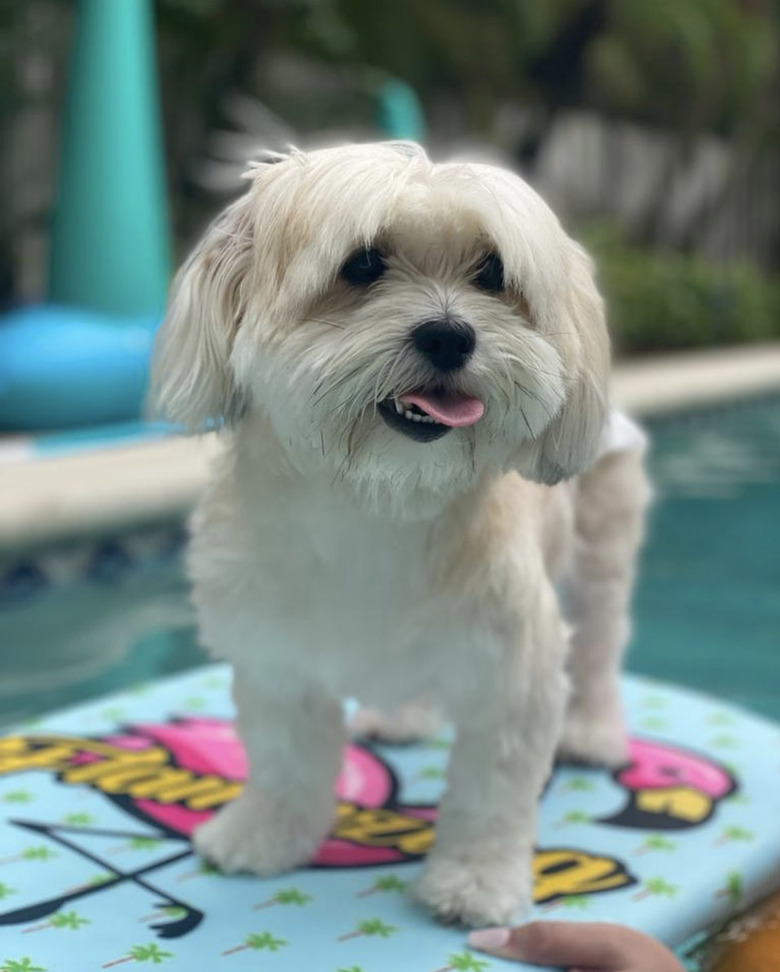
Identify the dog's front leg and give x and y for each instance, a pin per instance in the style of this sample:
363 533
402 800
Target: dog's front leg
479 872
294 746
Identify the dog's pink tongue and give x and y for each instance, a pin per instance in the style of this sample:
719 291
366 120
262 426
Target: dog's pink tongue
452 408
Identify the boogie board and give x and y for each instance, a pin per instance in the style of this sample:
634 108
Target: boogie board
97 805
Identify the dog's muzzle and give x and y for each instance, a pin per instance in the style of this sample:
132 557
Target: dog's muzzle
429 413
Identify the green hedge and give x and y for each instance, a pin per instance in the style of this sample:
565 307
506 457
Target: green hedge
666 302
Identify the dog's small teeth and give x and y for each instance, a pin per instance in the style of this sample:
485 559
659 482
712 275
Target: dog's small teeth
411 416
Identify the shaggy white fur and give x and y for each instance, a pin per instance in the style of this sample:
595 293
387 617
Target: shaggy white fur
352 543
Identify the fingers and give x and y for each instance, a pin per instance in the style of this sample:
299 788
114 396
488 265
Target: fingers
551 943
597 946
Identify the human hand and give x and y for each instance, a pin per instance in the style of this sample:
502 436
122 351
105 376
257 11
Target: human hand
590 947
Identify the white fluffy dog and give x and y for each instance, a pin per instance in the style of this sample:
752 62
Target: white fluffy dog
409 357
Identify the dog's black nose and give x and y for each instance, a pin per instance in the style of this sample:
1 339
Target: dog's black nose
446 343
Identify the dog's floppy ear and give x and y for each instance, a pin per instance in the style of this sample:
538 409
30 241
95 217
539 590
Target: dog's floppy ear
570 444
192 382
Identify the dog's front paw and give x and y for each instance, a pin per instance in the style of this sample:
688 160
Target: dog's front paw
598 738
258 834
475 891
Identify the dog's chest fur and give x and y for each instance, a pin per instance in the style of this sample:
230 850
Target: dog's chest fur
310 584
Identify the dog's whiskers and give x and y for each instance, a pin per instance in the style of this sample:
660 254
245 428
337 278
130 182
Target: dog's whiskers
334 385
391 383
526 422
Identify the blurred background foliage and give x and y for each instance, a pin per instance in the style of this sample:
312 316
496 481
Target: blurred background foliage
661 301
657 119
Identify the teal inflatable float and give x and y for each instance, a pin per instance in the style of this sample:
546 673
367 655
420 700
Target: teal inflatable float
83 357
62 367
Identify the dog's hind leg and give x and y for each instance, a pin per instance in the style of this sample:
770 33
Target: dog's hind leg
610 508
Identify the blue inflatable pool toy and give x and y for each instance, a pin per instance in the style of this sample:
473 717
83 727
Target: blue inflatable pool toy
62 367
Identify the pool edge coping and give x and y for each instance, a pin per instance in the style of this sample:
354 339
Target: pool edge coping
54 499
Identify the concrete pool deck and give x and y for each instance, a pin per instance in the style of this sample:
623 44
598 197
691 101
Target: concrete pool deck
46 501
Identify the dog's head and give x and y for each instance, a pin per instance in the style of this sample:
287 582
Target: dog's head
410 325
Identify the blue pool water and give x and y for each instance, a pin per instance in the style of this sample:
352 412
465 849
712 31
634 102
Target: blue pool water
708 602
77 623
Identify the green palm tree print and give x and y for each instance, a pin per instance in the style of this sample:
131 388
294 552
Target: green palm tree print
286 896
21 965
573 817
96 879
204 868
264 941
438 743
734 833
464 962
78 819
383 885
724 741
18 796
61 919
654 702
371 928
431 773
38 853
580 784
136 843
571 902
655 842
141 953
654 722
656 887
733 888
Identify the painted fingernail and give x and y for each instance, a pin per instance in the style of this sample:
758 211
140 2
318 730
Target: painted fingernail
489 938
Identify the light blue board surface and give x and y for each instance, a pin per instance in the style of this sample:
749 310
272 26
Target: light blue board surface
686 835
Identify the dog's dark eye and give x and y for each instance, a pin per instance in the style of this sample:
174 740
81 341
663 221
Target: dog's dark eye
490 274
363 267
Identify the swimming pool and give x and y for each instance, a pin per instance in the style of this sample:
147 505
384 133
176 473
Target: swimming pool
79 622
708 602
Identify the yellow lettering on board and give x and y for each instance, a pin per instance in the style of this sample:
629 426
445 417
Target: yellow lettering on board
417 842
383 828
222 792
17 754
682 802
563 872
140 774
168 785
108 774
172 785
